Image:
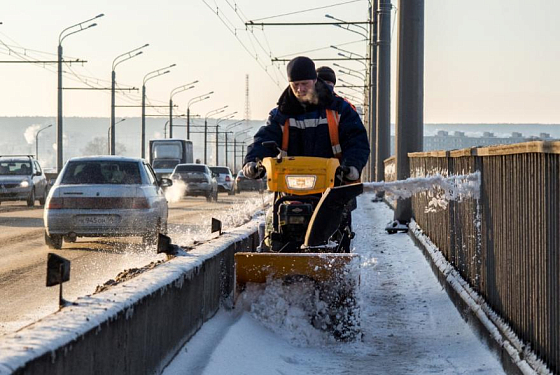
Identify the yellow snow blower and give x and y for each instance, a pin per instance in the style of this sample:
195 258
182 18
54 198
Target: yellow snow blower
307 231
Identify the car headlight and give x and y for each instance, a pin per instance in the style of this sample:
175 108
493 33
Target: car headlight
301 182
24 183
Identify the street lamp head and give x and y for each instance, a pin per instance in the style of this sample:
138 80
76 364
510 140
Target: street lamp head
335 47
92 25
329 16
139 53
99 15
145 45
172 65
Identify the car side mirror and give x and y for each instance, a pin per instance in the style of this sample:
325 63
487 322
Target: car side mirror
165 182
38 173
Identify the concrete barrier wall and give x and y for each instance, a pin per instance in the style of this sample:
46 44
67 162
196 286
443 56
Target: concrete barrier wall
135 327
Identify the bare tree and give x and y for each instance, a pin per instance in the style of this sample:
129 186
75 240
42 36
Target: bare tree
98 146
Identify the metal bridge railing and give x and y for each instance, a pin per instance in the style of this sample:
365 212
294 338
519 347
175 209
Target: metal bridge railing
507 243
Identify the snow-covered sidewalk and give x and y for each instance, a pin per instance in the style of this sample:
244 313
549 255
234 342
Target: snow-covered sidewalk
409 324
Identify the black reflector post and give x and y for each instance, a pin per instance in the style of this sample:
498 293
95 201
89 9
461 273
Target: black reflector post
216 226
58 272
164 244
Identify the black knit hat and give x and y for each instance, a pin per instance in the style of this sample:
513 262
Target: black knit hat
301 68
326 74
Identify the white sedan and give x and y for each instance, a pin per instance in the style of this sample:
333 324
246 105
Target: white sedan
105 196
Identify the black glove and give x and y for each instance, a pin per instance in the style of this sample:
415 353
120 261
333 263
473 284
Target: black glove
253 170
350 173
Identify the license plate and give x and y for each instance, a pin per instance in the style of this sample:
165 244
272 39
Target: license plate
95 220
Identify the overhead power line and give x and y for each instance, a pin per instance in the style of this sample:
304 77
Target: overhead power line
307 10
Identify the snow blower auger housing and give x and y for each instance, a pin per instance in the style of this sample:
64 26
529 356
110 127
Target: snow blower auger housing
307 232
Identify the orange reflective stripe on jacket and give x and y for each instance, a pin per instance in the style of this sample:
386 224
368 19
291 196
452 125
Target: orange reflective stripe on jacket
333 119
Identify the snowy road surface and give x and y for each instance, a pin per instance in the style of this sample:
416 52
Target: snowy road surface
409 324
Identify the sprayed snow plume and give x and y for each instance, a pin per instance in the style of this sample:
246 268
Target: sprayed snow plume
454 187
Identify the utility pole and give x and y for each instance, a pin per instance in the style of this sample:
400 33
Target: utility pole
205 139
59 122
383 134
217 148
372 113
410 94
143 143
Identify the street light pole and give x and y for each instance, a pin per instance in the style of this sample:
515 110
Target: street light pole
128 55
211 113
192 101
226 117
59 122
177 90
111 137
37 141
147 77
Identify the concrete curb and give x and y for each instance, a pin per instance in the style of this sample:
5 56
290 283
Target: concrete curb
135 327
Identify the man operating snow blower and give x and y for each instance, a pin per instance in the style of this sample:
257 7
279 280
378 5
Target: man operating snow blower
311 120
300 123
312 150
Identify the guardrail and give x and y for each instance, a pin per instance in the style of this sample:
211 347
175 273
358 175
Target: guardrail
135 327
506 245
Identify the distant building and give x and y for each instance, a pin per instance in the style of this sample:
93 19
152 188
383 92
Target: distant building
445 141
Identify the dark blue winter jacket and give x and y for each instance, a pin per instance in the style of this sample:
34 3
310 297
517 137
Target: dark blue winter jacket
309 133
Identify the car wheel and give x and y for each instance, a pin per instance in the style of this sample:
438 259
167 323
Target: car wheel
43 199
54 241
31 199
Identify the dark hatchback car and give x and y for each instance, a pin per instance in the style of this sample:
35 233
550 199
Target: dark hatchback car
198 180
242 183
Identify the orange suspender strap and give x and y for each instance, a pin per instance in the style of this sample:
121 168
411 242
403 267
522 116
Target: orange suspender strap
285 137
332 119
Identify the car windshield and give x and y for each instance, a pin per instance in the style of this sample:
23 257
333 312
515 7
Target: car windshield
15 168
190 168
165 164
102 172
220 170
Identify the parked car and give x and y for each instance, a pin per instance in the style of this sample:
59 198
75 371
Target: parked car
224 178
243 183
198 179
22 179
105 196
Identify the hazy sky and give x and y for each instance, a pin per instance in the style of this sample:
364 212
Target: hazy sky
485 60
